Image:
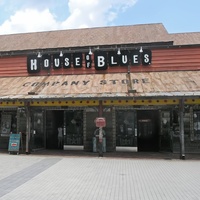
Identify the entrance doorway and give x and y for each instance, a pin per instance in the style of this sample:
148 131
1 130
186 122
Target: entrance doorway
37 130
54 119
71 122
126 136
148 128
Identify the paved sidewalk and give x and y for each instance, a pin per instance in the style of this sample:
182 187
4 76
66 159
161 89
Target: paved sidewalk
54 177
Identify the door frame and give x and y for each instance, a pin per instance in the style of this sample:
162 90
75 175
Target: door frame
147 116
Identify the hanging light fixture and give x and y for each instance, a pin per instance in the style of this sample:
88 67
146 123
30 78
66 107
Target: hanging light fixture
39 55
90 52
61 54
118 51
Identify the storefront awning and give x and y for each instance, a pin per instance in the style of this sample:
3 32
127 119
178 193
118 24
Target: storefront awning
119 85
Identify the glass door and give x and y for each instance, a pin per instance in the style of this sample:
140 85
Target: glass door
73 127
166 132
37 130
126 131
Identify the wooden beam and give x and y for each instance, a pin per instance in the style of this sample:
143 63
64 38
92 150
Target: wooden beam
181 128
28 129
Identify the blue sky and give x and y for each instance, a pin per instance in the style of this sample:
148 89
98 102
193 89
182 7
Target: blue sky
19 16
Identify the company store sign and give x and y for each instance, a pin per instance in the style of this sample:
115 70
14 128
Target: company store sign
102 60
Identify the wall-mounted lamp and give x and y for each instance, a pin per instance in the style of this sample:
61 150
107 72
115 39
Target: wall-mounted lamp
39 55
118 51
141 50
61 54
90 52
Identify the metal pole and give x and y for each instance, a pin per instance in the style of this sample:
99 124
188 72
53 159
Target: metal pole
100 141
28 130
182 142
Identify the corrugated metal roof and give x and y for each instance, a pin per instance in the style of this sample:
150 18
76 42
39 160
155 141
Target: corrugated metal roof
100 36
147 84
146 33
186 38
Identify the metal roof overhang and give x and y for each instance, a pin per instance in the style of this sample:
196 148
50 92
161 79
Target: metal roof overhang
144 85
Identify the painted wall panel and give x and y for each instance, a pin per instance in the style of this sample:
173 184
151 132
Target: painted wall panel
176 59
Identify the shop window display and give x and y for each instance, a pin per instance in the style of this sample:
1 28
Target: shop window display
196 119
8 123
74 128
125 128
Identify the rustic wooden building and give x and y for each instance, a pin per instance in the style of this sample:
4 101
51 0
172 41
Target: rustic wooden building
142 79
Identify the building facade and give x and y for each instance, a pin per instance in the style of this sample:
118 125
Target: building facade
143 80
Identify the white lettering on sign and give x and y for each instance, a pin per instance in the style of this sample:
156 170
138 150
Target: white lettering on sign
46 63
34 64
67 62
101 60
146 58
124 59
77 61
135 59
57 62
112 60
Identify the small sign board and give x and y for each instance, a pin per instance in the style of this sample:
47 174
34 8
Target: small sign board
100 122
14 142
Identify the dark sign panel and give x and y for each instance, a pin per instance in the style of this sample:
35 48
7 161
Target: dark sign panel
33 64
146 57
67 60
57 61
113 58
88 61
102 60
124 58
46 62
135 58
77 60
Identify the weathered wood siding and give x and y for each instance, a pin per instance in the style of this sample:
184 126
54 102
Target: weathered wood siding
13 66
176 59
162 60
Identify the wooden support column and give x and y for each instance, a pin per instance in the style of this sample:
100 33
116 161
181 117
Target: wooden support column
181 128
100 108
28 129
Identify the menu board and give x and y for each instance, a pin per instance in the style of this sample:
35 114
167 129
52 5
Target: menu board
14 142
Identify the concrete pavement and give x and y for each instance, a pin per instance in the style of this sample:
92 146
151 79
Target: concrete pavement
58 177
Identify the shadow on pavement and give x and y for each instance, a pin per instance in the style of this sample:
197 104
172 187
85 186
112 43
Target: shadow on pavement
130 155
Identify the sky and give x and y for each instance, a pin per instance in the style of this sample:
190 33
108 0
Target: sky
21 16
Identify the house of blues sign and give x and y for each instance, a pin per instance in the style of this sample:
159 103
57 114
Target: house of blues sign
101 60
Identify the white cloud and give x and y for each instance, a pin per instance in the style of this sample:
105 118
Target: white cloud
29 20
89 13
93 13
